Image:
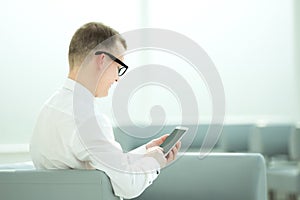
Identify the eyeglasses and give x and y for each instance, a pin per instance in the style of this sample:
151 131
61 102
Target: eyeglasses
122 69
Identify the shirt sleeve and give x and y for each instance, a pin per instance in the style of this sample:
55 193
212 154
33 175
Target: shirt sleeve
139 150
130 173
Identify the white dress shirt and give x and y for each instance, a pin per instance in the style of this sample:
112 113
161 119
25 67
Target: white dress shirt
64 141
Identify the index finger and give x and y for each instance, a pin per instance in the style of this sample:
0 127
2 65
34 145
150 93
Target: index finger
164 137
161 139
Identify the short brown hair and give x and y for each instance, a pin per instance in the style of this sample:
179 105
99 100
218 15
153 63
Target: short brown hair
87 37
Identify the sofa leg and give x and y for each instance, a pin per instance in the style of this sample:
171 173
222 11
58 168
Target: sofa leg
271 195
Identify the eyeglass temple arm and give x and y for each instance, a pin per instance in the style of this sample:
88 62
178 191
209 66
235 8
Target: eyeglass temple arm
112 57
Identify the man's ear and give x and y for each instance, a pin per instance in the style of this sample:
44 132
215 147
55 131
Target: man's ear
100 61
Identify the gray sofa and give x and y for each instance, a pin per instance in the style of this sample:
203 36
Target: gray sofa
271 140
285 177
55 185
225 176
235 137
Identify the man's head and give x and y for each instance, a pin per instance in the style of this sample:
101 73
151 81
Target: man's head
88 39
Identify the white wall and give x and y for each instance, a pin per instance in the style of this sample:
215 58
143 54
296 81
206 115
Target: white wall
251 42
33 53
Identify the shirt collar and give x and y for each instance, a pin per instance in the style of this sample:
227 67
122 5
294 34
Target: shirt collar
70 84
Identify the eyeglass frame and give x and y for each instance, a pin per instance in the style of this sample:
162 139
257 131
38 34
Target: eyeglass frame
114 59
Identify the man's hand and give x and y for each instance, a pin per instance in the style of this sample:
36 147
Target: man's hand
156 152
157 141
172 154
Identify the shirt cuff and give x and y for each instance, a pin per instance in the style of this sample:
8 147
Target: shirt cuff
143 150
140 150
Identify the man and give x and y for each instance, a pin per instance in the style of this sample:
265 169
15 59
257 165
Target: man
71 134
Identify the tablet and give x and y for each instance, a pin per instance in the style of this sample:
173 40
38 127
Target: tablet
173 138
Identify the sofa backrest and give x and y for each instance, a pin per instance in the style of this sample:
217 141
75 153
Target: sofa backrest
294 143
226 176
270 139
129 142
234 137
55 184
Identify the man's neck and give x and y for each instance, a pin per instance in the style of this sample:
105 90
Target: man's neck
84 79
